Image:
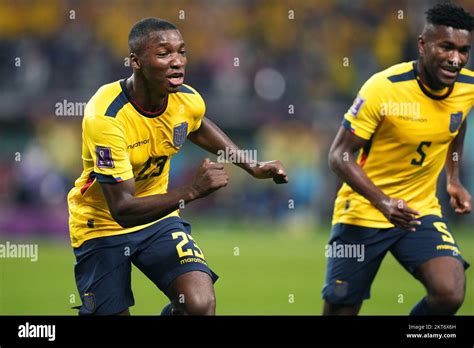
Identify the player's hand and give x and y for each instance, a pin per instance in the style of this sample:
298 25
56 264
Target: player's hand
398 213
270 169
461 200
209 178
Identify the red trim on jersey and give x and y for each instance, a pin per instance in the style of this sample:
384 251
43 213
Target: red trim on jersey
88 184
363 158
151 113
138 107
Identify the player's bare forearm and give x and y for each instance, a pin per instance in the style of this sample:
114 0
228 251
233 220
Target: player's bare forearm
461 200
128 210
342 161
211 138
453 158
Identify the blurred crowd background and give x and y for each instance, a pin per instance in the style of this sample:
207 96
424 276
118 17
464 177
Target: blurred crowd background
276 75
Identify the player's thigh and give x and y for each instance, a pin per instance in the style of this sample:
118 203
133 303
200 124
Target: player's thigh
103 276
431 253
171 253
443 277
354 255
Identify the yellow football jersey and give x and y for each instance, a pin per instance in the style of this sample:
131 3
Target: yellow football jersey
121 141
409 129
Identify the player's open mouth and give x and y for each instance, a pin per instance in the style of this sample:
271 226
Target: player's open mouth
449 72
176 79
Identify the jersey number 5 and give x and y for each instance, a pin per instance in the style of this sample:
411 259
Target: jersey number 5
419 162
443 229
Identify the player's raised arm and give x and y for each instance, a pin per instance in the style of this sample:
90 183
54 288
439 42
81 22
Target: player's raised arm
129 210
211 138
342 161
460 197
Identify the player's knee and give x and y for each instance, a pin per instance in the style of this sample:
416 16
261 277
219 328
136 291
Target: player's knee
199 304
447 299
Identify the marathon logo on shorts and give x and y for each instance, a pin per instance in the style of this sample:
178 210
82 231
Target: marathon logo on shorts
455 121
104 157
180 132
356 106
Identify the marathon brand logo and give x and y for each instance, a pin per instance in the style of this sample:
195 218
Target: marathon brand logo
138 143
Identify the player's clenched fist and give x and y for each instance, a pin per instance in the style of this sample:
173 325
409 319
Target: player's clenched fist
461 200
209 178
271 169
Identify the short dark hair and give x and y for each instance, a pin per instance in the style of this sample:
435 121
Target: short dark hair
142 29
450 15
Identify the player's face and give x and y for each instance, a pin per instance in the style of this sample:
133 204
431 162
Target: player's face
163 61
444 51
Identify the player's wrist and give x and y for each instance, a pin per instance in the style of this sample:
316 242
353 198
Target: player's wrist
191 193
249 167
382 202
452 182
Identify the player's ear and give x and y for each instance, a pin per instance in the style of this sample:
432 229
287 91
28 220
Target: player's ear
421 45
134 61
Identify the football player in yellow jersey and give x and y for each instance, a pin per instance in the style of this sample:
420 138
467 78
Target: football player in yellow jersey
408 122
120 210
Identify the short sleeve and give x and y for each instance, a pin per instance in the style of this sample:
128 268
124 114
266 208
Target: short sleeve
197 122
104 139
199 110
365 113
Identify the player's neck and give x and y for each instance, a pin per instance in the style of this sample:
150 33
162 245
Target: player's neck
146 98
427 82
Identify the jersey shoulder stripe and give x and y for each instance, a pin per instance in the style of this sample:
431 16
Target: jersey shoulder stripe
406 76
400 72
464 77
106 101
186 89
387 78
116 105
